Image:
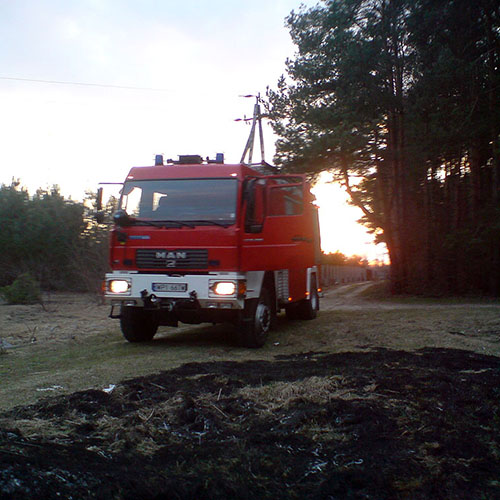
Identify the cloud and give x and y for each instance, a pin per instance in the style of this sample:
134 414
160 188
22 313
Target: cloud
70 29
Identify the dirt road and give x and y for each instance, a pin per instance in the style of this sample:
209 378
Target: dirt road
374 399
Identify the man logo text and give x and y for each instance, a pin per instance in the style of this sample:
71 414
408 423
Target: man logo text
171 255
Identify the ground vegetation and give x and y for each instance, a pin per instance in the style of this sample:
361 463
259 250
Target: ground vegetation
380 397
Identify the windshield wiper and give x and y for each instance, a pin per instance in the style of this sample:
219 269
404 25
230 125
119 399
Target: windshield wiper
138 222
123 219
188 223
209 221
159 223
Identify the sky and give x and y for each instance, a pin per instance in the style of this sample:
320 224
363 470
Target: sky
139 78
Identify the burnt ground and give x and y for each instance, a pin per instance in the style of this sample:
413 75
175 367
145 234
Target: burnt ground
375 423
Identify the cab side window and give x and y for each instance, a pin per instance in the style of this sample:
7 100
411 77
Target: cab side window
285 200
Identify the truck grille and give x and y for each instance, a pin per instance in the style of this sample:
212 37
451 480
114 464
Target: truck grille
160 258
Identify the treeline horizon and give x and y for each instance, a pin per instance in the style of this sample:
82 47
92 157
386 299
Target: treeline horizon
53 239
57 241
338 258
404 95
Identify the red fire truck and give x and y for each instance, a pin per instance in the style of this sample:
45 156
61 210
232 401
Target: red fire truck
203 241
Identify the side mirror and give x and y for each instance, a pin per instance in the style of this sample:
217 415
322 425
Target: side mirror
121 218
98 201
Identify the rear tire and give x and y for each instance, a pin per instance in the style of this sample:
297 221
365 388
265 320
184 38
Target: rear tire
138 325
292 312
256 321
308 308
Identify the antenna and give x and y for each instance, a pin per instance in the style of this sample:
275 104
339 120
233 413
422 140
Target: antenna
256 120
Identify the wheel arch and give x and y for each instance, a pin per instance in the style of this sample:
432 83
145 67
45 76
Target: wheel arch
269 284
312 272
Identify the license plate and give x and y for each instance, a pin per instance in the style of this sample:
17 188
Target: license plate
169 287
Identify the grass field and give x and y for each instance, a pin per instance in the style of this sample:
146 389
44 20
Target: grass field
378 397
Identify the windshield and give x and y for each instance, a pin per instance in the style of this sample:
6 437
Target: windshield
197 200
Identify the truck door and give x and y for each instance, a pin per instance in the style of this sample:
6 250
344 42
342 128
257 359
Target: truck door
278 230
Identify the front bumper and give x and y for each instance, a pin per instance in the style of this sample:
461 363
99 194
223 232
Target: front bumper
166 291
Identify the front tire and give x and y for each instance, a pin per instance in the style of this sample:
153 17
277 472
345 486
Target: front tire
256 321
138 325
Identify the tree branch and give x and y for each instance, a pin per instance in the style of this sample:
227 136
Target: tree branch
355 199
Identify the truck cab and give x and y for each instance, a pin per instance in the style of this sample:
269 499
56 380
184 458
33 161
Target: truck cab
197 241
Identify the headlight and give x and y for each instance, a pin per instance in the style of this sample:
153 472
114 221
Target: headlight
118 286
224 288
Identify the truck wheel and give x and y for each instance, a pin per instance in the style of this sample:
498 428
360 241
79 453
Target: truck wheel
137 324
255 324
292 312
308 308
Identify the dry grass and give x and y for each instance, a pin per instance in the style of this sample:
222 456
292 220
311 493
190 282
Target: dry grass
383 423
74 346
279 395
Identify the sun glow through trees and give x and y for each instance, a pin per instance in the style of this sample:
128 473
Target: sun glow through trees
338 223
